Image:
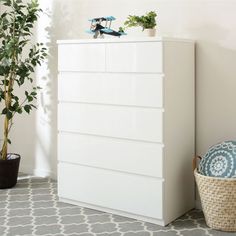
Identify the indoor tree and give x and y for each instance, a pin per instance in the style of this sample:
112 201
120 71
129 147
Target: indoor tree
19 57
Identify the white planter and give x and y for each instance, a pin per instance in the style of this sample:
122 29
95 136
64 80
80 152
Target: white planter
149 32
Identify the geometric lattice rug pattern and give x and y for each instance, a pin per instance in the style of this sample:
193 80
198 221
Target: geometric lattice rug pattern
32 208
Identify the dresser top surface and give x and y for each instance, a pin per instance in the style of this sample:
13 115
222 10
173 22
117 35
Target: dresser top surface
124 39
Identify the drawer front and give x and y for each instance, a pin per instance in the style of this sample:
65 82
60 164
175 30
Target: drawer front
81 57
134 57
106 88
130 193
121 155
112 121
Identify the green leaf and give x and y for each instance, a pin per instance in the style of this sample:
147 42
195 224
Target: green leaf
6 2
4 111
9 141
33 93
30 98
15 106
21 80
9 114
27 108
19 110
31 68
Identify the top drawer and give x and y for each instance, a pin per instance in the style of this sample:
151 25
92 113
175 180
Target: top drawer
81 57
143 57
134 57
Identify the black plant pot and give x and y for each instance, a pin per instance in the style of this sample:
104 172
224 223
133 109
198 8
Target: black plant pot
9 172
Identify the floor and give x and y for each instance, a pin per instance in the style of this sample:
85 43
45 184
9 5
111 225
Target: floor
32 208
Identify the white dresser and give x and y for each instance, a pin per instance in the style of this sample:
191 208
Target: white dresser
126 126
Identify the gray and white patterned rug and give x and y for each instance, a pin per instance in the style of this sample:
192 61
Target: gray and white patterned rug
32 208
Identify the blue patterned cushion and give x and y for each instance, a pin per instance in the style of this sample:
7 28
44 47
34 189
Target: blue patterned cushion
220 161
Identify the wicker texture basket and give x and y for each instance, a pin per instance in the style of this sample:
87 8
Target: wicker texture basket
218 198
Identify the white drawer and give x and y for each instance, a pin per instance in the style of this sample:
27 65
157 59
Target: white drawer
81 57
130 193
134 57
106 88
112 121
121 155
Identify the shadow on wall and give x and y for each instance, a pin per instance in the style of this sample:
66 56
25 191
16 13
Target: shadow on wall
46 119
216 97
57 20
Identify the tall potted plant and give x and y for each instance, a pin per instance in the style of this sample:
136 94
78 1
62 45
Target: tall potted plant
18 59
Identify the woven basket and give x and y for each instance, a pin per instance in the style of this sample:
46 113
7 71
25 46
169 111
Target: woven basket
218 198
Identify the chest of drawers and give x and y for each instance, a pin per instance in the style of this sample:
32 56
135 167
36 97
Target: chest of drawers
126 126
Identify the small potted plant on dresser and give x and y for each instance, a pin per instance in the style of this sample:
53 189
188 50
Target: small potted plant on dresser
18 59
147 22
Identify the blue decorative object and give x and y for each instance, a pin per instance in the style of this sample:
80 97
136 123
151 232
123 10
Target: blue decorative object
106 30
220 161
98 30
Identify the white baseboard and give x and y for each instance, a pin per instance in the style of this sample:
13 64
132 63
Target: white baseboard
45 173
27 169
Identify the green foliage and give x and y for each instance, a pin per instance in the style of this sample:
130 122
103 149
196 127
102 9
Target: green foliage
18 59
147 21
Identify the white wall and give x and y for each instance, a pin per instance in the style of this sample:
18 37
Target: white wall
212 23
